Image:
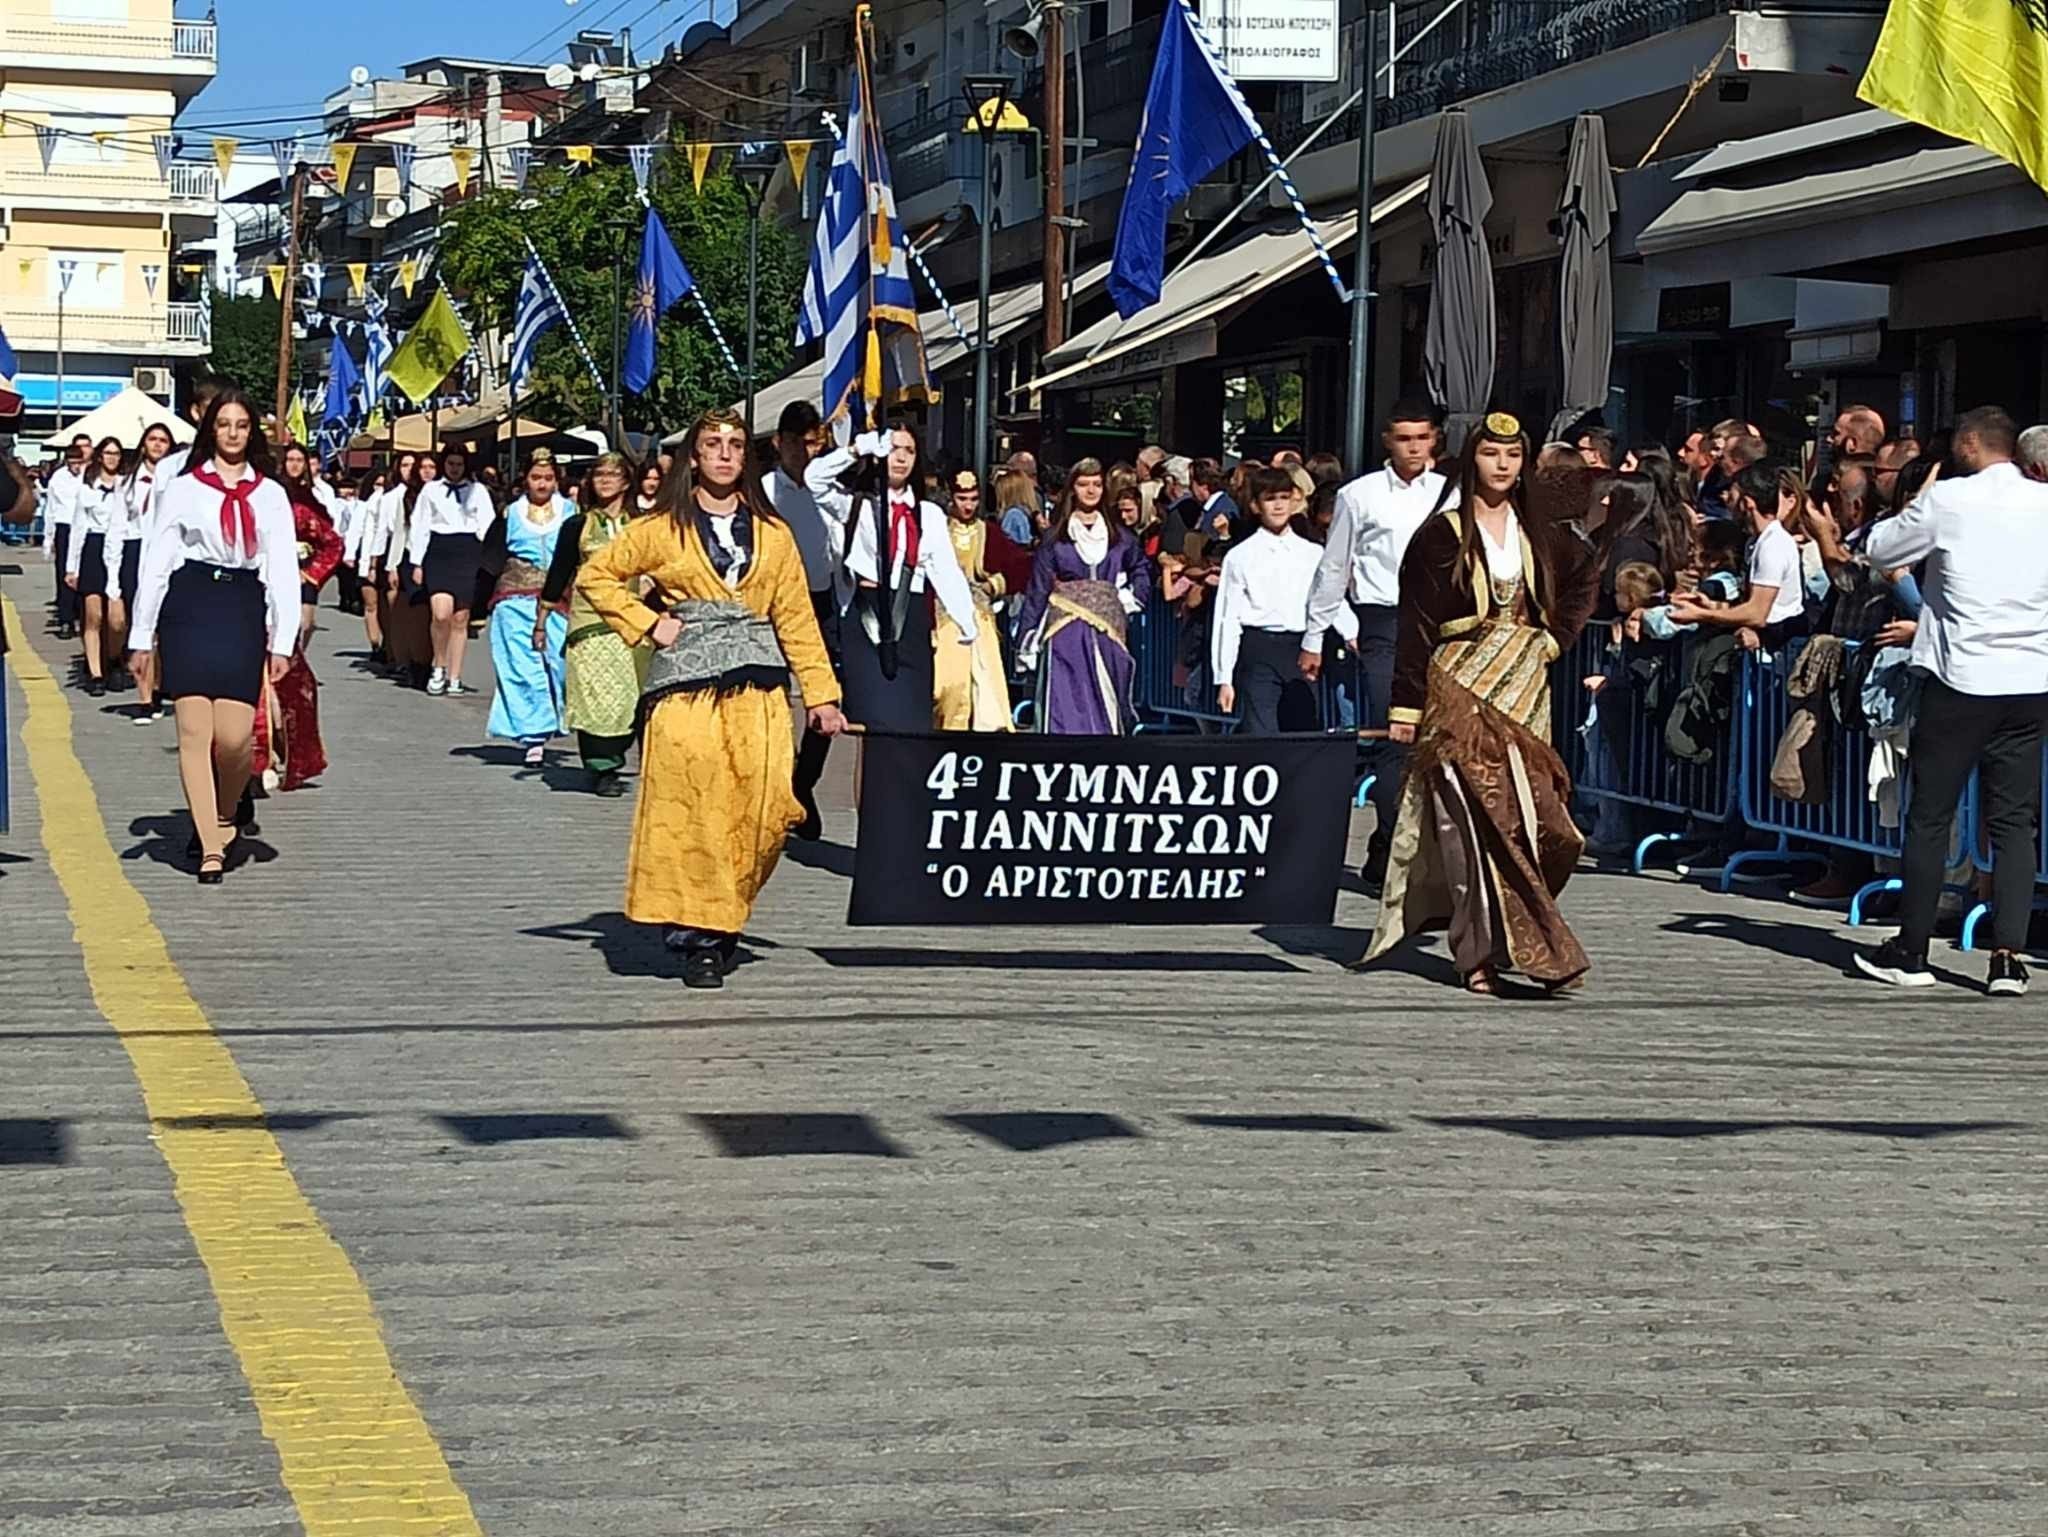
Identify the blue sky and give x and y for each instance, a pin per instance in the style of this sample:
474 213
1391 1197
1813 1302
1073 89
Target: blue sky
269 70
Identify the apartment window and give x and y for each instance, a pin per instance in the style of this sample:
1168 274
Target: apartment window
95 279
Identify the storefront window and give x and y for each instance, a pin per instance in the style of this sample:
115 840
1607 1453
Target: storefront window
1262 408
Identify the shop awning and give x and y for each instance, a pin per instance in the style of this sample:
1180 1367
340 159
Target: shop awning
1824 195
1205 293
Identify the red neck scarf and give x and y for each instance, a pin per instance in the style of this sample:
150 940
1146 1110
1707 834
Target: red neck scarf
903 530
234 501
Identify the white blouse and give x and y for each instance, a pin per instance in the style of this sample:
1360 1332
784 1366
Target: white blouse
188 529
1503 561
936 562
145 494
446 508
102 510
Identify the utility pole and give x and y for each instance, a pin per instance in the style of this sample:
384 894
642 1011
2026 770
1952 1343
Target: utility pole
285 304
1358 407
1053 298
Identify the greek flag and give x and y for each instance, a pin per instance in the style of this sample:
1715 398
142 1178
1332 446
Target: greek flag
539 312
857 297
377 350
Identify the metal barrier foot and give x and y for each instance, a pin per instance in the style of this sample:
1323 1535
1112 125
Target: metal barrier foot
1643 848
1362 796
1782 854
1869 890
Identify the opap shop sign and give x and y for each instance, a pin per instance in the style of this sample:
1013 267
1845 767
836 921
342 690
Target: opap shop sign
981 828
1275 39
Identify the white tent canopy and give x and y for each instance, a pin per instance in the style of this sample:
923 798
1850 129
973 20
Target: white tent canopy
127 416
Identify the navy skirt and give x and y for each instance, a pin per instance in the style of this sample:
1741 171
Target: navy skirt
131 570
211 638
92 567
876 700
452 563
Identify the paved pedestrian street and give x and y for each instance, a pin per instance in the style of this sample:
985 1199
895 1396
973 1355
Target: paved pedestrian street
398 1187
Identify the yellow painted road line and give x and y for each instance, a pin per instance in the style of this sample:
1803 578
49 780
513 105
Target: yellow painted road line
358 1457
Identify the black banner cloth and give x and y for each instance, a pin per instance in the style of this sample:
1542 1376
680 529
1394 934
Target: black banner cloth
987 828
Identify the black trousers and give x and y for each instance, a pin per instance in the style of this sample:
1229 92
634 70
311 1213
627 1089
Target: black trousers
1999 735
810 753
1272 695
68 606
1388 761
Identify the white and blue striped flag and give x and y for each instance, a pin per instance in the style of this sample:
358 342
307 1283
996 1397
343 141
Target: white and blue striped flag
857 297
377 350
539 312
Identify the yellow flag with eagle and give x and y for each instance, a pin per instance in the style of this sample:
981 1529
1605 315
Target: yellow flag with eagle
1976 70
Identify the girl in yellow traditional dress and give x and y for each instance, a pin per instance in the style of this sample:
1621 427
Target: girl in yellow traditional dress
601 670
733 626
969 691
1493 590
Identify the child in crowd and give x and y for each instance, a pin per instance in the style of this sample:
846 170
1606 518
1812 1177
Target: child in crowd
1723 550
1261 612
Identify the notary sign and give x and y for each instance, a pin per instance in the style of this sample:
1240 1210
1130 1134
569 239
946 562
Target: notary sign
1275 39
973 828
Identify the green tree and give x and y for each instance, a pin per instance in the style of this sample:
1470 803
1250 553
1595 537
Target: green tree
565 213
245 344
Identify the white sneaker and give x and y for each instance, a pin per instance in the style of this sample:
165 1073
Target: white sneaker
536 755
437 682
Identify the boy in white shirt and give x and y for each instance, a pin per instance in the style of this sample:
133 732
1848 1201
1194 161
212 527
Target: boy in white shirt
1262 612
1773 610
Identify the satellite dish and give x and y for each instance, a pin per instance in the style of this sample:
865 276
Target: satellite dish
394 208
559 75
359 76
588 72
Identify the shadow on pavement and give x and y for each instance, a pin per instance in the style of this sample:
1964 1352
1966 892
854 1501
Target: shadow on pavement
1315 1123
1031 1131
832 858
1548 1128
922 958
801 1134
282 1120
635 949
164 840
491 1130
34 1140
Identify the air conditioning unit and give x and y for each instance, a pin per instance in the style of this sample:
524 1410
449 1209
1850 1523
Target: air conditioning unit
154 381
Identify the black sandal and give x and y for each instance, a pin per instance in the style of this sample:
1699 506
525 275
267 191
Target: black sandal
212 869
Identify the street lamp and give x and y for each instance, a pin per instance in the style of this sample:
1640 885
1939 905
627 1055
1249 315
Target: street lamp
753 169
989 111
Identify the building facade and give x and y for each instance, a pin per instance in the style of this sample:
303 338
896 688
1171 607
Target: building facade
90 212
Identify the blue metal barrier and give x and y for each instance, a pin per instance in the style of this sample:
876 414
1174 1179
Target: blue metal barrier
1624 757
27 533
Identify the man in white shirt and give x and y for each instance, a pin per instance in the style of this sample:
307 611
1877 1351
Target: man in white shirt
800 436
1261 611
60 506
1358 588
1981 542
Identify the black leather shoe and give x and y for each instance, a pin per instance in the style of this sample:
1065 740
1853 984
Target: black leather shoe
704 967
812 827
210 870
609 785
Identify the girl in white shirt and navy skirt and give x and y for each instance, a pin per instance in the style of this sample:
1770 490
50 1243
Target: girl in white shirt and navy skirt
146 485
99 529
446 550
219 593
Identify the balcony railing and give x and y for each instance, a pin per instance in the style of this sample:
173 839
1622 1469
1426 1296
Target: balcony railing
189 321
192 182
178 324
923 151
1488 45
116 42
194 39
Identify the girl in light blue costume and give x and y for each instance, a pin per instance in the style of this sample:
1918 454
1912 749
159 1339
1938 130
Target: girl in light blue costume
527 635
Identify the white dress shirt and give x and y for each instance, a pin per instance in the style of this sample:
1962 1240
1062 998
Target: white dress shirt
1774 562
818 538
1376 515
1984 541
936 562
1264 586
447 508
146 489
188 528
60 501
101 508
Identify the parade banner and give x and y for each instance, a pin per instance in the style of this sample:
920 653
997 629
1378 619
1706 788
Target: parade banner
985 828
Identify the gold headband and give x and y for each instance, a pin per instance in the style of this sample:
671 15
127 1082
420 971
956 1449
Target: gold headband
1499 424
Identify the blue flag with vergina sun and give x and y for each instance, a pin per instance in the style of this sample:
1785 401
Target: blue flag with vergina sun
663 282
